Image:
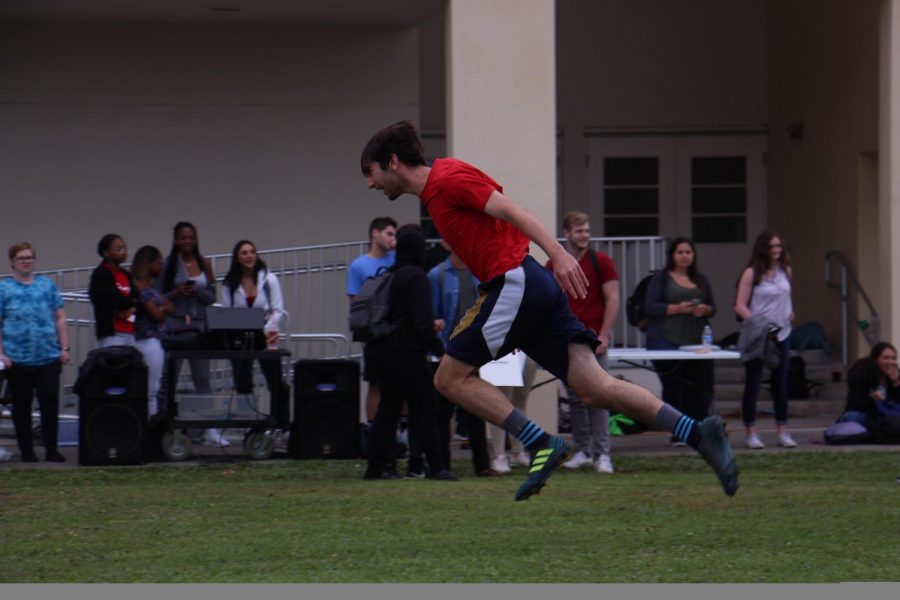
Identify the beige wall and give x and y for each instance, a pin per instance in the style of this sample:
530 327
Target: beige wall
889 175
823 74
247 130
501 96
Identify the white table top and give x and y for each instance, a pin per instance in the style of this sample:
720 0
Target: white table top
637 354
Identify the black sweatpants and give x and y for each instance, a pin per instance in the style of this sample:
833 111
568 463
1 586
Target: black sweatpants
24 383
403 379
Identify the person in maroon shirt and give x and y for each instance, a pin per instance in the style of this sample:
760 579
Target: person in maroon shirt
597 310
521 305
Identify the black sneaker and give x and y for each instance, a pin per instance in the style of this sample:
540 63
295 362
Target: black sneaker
55 456
543 463
443 475
415 474
716 451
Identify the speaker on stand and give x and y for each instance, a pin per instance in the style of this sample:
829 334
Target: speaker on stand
326 409
112 407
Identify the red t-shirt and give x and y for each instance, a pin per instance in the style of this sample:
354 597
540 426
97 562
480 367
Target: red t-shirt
124 287
590 309
455 196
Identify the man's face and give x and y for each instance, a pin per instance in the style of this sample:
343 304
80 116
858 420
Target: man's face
386 239
579 237
23 262
385 180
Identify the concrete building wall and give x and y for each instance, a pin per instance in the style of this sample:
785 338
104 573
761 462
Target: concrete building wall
823 76
651 65
248 130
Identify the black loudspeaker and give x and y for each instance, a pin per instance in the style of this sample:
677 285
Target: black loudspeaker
112 407
326 409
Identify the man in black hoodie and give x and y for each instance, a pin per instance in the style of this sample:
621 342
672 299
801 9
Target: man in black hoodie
402 362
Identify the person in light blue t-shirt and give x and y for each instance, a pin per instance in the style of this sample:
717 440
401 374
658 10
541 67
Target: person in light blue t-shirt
34 345
381 255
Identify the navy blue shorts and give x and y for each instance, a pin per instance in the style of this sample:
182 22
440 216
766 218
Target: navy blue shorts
523 308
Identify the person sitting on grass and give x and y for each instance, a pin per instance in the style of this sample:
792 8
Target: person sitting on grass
872 379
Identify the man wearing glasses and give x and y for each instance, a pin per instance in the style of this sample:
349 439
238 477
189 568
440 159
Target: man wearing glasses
34 344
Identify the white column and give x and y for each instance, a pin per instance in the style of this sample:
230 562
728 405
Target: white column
501 106
501 114
889 171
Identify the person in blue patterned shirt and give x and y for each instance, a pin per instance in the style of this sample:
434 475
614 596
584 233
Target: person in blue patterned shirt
34 344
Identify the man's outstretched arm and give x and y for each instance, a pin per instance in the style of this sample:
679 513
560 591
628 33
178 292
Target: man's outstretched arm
566 269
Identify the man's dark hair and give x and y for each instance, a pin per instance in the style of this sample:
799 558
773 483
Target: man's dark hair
401 138
380 224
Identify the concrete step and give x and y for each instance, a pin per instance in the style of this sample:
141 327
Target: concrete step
828 409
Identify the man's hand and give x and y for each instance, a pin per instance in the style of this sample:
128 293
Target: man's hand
569 276
439 325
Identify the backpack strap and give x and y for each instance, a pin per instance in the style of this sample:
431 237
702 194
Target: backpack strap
596 264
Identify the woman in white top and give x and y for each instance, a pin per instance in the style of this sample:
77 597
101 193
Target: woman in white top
249 283
765 288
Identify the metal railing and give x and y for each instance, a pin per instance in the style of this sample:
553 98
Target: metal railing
849 282
313 281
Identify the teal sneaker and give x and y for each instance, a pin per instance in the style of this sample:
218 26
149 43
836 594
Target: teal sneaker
543 462
716 451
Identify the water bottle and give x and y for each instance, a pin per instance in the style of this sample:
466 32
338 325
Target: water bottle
707 337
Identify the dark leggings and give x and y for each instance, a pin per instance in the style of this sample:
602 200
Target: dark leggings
686 384
24 383
753 371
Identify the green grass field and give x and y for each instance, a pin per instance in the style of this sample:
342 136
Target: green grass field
798 517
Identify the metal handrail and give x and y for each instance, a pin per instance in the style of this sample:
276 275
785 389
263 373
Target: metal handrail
848 278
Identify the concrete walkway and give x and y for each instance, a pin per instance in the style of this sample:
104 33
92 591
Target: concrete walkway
807 432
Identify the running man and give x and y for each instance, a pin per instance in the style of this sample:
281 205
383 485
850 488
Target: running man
521 305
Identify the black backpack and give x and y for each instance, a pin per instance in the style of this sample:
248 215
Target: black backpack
369 311
634 306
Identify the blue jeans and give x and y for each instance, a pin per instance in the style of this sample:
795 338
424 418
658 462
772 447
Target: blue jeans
753 371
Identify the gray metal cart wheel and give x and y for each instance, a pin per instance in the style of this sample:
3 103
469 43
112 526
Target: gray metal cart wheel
176 445
259 444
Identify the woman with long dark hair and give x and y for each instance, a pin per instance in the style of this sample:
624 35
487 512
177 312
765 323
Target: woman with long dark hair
764 288
189 282
871 379
679 302
152 309
250 283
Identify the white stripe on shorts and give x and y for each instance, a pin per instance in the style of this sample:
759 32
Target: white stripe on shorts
498 324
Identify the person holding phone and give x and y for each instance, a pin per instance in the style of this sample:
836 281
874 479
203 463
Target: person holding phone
679 302
189 282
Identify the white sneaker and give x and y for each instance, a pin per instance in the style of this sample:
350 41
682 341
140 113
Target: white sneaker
522 459
214 437
5 455
753 442
604 464
501 464
786 441
578 459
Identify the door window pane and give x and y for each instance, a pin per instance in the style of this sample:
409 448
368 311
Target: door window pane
719 199
627 226
720 230
631 196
